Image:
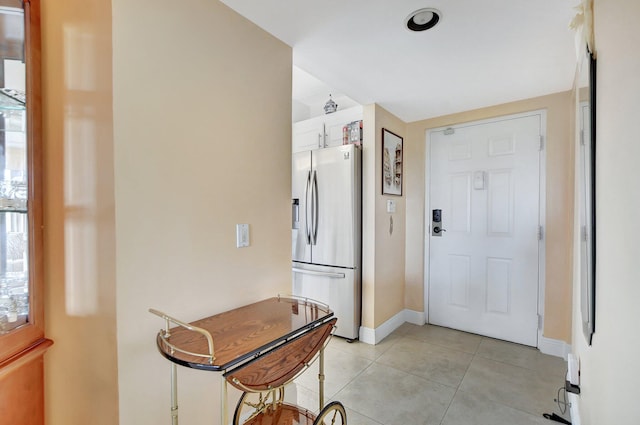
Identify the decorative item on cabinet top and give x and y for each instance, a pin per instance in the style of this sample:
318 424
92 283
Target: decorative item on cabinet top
352 133
330 106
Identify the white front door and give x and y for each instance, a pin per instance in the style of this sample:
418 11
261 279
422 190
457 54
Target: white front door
483 267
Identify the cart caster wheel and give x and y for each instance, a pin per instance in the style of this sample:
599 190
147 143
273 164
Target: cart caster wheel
332 414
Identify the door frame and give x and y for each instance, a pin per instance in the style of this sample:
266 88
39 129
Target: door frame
542 207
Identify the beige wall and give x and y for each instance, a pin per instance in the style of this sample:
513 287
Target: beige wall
609 368
202 137
80 310
369 196
383 251
389 245
559 203
182 133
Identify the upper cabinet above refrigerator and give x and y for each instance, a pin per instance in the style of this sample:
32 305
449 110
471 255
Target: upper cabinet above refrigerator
326 130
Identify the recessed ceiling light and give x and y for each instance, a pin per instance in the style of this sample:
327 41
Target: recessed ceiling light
422 19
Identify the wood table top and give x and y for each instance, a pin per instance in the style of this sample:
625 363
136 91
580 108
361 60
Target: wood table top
243 333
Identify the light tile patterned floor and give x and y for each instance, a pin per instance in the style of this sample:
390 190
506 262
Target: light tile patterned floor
429 375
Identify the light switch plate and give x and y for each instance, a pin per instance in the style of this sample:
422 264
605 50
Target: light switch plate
242 235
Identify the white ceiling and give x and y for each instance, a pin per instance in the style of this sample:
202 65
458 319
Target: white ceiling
482 53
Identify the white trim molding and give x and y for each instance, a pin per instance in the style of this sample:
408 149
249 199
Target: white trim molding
374 336
367 335
415 317
553 347
574 409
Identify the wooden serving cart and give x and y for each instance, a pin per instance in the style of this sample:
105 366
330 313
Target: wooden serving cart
259 349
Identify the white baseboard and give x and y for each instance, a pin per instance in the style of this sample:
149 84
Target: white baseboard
367 335
553 347
415 317
574 399
374 336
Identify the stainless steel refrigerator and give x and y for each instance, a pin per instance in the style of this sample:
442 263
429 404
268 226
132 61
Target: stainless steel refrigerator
326 231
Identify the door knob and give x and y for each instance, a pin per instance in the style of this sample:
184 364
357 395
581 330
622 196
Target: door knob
437 229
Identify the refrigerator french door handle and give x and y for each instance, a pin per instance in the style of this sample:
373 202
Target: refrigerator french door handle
317 273
307 194
314 183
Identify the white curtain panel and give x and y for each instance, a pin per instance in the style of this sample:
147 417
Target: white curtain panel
582 24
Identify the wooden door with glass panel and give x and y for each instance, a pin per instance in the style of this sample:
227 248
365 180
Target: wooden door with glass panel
22 341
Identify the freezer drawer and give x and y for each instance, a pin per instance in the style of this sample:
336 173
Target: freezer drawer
335 286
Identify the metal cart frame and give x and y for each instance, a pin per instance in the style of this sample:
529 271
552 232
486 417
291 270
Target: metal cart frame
259 348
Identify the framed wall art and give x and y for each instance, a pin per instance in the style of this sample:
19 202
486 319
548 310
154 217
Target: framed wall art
391 163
